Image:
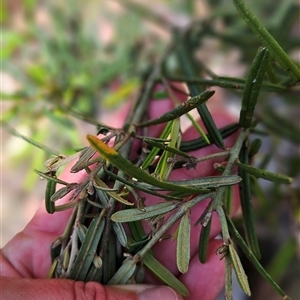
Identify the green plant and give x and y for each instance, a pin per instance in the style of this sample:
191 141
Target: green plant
271 71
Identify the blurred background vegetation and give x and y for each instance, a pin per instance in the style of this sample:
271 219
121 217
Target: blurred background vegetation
67 65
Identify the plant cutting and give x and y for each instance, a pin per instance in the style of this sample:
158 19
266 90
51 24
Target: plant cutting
147 199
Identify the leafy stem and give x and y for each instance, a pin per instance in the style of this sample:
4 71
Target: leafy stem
183 208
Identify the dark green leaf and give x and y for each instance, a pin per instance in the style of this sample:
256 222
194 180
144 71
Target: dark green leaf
180 110
199 143
246 203
203 242
164 274
259 173
50 191
252 86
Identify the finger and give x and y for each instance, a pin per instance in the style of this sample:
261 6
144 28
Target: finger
64 289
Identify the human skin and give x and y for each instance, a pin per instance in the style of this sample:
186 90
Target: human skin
25 260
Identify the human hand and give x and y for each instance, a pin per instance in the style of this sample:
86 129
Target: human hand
25 260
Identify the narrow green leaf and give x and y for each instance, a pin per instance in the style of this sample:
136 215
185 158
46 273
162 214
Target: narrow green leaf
239 270
267 40
239 240
164 274
81 231
151 156
210 182
50 191
137 246
203 242
87 250
95 274
228 82
15 133
136 186
164 167
120 233
180 110
110 260
103 197
259 173
51 178
228 199
51 273
82 162
137 230
198 128
134 214
96 204
183 244
246 203
254 147
228 278
66 258
199 143
63 192
68 109
102 185
124 272
65 206
210 125
252 86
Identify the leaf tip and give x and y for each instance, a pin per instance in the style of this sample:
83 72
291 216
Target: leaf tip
98 145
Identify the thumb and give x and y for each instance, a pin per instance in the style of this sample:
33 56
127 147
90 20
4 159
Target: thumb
66 289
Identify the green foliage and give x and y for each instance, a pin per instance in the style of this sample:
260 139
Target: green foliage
67 75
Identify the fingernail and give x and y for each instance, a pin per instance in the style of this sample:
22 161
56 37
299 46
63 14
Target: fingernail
160 292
